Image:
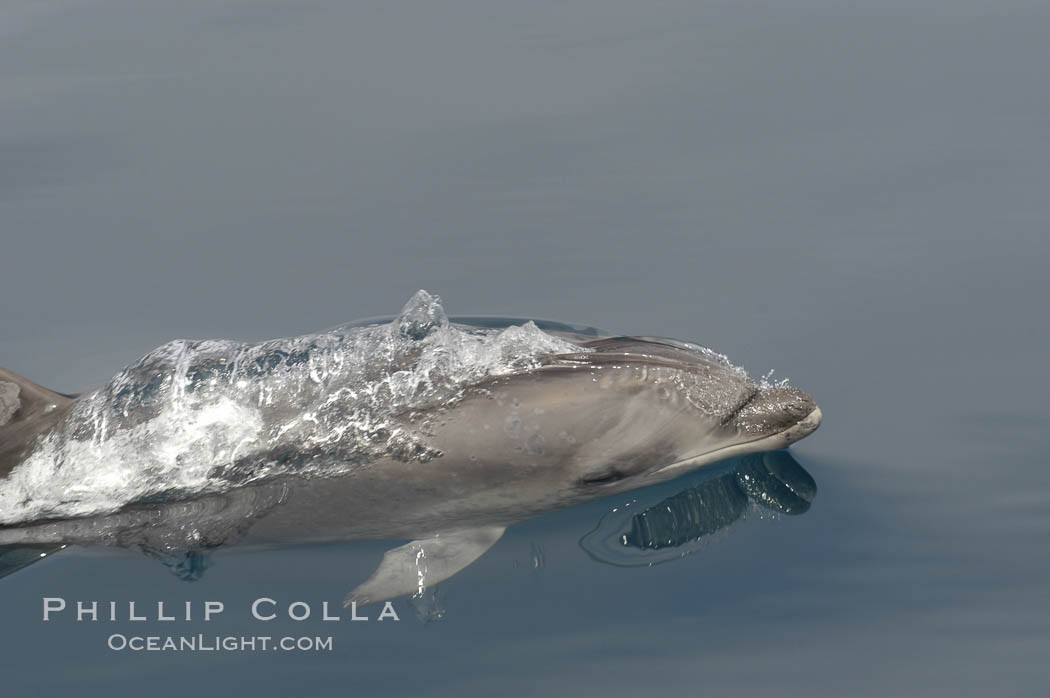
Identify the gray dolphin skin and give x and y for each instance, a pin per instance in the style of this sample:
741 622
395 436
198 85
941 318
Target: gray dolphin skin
420 427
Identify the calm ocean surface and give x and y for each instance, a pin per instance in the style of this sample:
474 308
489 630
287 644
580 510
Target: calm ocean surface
853 194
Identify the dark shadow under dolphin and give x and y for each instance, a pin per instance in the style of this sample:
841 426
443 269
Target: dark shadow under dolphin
632 536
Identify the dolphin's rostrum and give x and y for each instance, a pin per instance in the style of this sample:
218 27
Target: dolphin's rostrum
423 428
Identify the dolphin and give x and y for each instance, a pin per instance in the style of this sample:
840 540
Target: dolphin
442 431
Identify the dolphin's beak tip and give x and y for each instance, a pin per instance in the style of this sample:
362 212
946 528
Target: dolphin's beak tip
784 410
805 426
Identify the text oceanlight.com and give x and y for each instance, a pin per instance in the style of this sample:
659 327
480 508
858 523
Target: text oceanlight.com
217 643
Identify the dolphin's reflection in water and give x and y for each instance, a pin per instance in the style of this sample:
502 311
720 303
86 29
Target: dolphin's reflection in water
635 535
183 534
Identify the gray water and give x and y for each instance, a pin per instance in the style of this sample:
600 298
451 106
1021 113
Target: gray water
852 194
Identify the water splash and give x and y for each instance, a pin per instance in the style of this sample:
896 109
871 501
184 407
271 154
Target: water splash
194 417
767 382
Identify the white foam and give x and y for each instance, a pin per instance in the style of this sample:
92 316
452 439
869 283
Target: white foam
199 416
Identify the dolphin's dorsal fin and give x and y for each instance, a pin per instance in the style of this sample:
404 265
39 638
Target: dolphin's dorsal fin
22 400
26 411
423 563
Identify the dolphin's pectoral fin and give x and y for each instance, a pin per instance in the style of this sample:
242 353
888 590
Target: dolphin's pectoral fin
413 567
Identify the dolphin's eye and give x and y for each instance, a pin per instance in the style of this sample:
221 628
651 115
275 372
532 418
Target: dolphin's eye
603 477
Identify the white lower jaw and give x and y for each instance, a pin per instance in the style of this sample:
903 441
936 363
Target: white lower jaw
807 425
